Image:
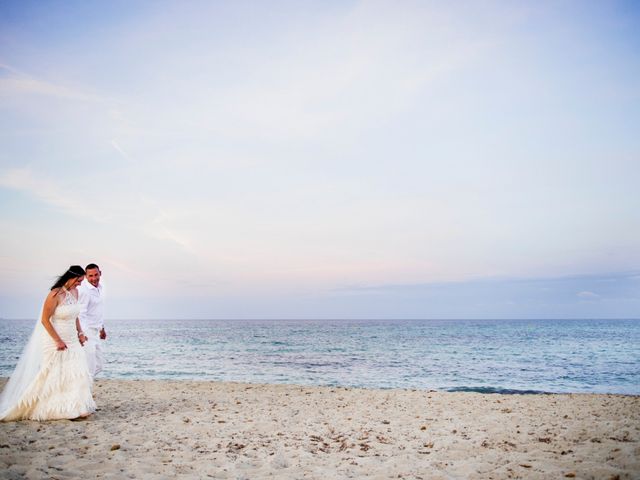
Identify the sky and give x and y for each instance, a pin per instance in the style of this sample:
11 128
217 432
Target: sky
323 159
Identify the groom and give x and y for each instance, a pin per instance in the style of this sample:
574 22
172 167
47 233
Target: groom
91 296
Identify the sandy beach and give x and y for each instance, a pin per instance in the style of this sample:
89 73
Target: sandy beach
182 429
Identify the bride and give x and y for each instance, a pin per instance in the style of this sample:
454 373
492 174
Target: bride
51 380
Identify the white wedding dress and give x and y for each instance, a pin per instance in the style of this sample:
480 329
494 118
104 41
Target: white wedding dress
49 384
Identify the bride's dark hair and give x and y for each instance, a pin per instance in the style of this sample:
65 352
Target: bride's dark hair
74 271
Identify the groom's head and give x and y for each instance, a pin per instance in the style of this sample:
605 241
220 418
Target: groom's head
93 274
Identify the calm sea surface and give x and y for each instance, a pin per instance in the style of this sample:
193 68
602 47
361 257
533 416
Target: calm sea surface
479 355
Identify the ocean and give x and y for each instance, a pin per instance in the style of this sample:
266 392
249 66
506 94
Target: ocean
509 356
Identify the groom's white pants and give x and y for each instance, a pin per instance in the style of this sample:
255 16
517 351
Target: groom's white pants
93 351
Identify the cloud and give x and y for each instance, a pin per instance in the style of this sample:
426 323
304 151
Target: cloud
145 216
49 192
588 295
119 149
160 228
329 77
14 82
551 297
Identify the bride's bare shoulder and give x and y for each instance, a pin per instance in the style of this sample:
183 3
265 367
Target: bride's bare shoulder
55 295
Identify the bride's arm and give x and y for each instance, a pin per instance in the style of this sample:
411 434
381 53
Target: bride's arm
50 305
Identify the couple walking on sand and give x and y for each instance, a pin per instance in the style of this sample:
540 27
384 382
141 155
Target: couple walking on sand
54 375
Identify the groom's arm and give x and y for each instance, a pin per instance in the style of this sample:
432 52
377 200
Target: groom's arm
81 336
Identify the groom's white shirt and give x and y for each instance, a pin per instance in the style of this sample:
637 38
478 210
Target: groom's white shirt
92 305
